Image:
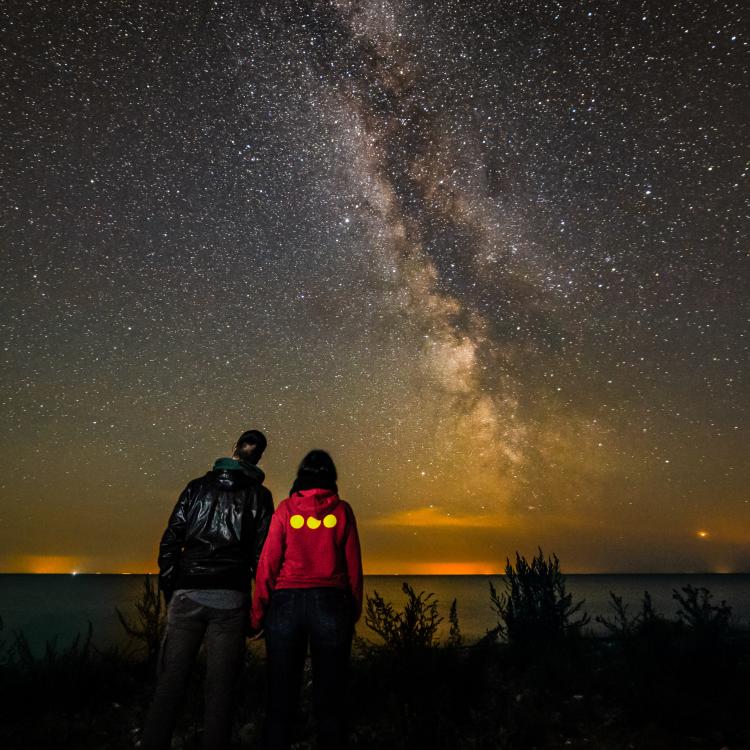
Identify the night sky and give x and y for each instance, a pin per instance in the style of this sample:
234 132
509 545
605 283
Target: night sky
493 256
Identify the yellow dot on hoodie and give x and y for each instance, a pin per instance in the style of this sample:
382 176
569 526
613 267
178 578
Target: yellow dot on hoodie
329 521
313 523
296 521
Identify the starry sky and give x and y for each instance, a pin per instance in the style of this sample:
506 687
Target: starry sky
493 256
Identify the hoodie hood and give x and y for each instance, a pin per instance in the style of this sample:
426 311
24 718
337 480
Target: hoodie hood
249 470
316 502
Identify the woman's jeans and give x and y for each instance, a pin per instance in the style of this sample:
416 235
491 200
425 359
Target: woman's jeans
322 617
189 624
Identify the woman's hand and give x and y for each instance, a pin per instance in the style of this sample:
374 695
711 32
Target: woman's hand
255 635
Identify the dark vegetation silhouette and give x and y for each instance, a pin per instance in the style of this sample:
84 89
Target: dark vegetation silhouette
540 679
536 608
147 628
413 628
455 638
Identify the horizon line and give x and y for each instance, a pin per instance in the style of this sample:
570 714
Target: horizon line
500 574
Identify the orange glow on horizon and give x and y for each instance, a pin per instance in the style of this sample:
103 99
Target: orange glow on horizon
70 565
49 564
454 569
473 568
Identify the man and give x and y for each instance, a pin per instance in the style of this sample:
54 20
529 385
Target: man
207 559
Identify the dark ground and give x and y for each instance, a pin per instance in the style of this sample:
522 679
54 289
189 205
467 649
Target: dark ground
668 688
650 684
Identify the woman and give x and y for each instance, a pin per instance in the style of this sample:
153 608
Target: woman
308 589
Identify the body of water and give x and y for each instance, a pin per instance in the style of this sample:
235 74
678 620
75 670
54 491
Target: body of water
45 607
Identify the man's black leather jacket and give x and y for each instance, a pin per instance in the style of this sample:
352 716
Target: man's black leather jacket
216 532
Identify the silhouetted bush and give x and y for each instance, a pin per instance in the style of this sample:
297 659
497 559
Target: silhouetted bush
414 627
67 696
658 668
148 627
649 615
622 626
455 638
76 657
536 607
697 612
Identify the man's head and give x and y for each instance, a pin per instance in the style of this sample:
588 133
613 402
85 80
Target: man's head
250 446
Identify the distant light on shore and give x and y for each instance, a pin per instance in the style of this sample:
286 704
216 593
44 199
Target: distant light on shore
59 564
703 534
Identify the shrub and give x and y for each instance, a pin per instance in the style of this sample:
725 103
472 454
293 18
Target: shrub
536 608
697 612
620 625
148 626
648 614
76 657
455 638
414 627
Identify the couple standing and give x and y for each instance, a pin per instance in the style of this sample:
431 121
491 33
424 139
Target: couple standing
306 561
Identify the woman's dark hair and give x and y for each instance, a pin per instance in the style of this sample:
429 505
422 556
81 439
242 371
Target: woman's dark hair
317 464
250 446
317 471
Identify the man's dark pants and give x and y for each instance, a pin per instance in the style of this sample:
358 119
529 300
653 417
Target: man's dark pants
188 625
322 617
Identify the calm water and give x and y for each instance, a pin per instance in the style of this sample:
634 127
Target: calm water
49 606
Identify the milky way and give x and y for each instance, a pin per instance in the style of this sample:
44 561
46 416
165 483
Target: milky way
493 256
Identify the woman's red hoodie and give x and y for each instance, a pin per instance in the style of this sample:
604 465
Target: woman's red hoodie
312 541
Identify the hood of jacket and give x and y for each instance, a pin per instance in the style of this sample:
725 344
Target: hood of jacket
231 471
316 502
